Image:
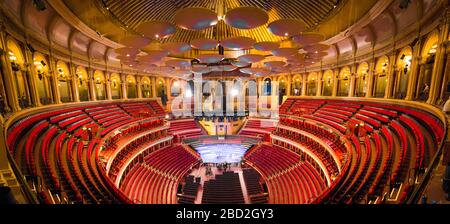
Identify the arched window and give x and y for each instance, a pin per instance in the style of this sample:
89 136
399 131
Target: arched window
361 80
344 82
160 88
20 74
64 82
327 89
116 90
82 82
426 66
43 84
146 87
311 86
402 73
131 87
267 88
380 77
296 85
100 86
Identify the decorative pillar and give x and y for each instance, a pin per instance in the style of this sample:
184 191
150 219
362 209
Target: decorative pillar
108 85
438 68
53 72
10 85
414 73
73 75
335 82
319 83
369 92
91 83
123 83
32 77
304 77
288 85
446 79
353 75
390 77
153 86
168 90
138 86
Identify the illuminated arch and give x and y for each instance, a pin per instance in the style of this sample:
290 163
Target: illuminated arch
311 84
64 81
115 82
43 85
82 83
344 81
361 79
100 86
327 89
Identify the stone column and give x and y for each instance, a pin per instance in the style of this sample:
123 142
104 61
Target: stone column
335 82
108 85
390 77
304 76
168 90
414 73
438 69
370 79
138 86
12 101
353 75
53 72
123 83
153 86
319 83
446 79
32 78
73 74
91 85
288 85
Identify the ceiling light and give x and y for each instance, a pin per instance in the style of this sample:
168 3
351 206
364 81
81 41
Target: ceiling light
234 92
128 55
286 34
157 35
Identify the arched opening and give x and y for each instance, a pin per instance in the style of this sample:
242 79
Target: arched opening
160 88
402 73
426 66
131 87
176 88
282 83
116 91
43 83
267 88
311 84
296 85
100 86
344 82
146 87
20 73
361 80
82 82
327 89
64 82
380 77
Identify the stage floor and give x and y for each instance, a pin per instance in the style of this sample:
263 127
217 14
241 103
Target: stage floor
221 152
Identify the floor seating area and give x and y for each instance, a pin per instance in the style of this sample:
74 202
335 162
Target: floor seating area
155 181
189 190
58 149
255 190
224 189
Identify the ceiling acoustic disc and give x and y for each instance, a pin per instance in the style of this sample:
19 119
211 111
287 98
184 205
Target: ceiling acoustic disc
308 38
127 51
246 17
178 63
240 64
255 71
200 69
274 64
210 58
316 48
156 29
285 52
176 47
195 18
287 27
251 58
266 46
134 41
317 55
204 44
237 43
